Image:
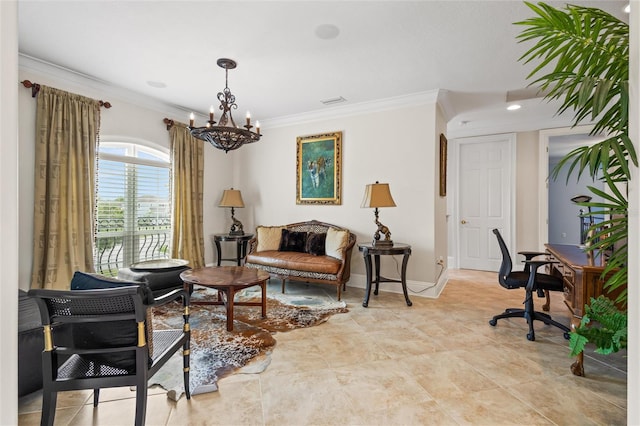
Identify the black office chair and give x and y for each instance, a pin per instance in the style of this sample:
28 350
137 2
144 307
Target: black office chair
532 281
111 343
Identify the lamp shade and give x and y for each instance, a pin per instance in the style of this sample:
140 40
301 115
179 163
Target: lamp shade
231 198
377 195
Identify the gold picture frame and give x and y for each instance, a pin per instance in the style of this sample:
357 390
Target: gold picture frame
319 169
443 165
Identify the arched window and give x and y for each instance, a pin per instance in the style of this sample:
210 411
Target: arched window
133 205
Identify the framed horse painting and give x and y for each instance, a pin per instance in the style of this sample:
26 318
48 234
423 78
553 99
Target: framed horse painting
319 168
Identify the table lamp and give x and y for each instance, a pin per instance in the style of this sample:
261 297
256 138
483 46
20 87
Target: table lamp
378 195
232 198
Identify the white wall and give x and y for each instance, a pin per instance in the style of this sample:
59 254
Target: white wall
9 213
396 146
527 216
633 380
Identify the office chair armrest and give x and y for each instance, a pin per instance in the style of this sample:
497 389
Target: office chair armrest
171 296
531 254
534 265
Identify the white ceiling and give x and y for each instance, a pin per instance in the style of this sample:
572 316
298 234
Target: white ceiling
384 49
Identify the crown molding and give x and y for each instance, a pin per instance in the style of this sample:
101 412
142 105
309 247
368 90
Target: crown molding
83 81
360 108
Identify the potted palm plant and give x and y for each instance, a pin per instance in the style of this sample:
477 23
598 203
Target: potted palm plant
581 57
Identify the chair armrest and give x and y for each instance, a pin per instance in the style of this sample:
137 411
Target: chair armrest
170 297
531 254
535 264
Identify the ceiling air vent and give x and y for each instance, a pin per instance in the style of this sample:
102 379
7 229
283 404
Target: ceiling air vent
334 101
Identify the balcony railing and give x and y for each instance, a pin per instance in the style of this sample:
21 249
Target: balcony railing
117 248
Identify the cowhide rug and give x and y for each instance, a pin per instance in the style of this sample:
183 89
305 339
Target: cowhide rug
215 352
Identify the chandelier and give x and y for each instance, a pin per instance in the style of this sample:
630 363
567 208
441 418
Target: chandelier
226 135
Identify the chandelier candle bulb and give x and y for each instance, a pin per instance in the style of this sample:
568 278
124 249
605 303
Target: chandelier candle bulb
258 127
248 118
211 114
191 118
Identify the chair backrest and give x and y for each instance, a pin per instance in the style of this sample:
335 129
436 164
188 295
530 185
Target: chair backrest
108 325
506 265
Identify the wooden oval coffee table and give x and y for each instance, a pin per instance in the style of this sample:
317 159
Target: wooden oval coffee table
228 280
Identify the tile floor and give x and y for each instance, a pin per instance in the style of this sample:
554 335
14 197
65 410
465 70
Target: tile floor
437 362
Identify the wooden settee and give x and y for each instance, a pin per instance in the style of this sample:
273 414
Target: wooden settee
279 250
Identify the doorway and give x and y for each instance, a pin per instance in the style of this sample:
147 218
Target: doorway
558 215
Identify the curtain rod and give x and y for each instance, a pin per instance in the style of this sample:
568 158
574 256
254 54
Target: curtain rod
35 88
168 122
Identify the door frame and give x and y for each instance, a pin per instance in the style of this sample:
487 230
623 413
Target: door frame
453 203
543 175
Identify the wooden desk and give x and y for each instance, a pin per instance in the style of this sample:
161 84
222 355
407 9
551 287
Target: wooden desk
581 276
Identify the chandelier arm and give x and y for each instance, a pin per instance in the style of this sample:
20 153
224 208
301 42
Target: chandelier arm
226 135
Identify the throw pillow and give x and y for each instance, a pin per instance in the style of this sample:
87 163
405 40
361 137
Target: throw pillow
268 237
88 281
336 241
113 333
315 243
293 241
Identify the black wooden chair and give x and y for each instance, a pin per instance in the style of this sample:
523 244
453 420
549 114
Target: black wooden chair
112 344
532 281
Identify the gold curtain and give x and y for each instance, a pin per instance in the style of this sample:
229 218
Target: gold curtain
67 127
188 170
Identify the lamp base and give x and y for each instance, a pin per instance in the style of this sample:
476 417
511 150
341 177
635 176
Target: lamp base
382 243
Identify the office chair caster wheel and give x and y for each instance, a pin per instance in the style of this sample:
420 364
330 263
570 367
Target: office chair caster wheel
531 337
493 322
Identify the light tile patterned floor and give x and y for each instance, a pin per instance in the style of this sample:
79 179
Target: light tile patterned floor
437 362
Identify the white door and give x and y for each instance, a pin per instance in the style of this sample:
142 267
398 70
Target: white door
486 181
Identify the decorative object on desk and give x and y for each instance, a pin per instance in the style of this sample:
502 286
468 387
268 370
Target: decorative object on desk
226 135
319 168
378 195
233 198
443 165
216 352
600 91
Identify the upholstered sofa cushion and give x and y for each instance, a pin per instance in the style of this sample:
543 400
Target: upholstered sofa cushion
296 261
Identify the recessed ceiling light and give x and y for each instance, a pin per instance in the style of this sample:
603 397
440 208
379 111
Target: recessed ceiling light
327 31
156 84
514 107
